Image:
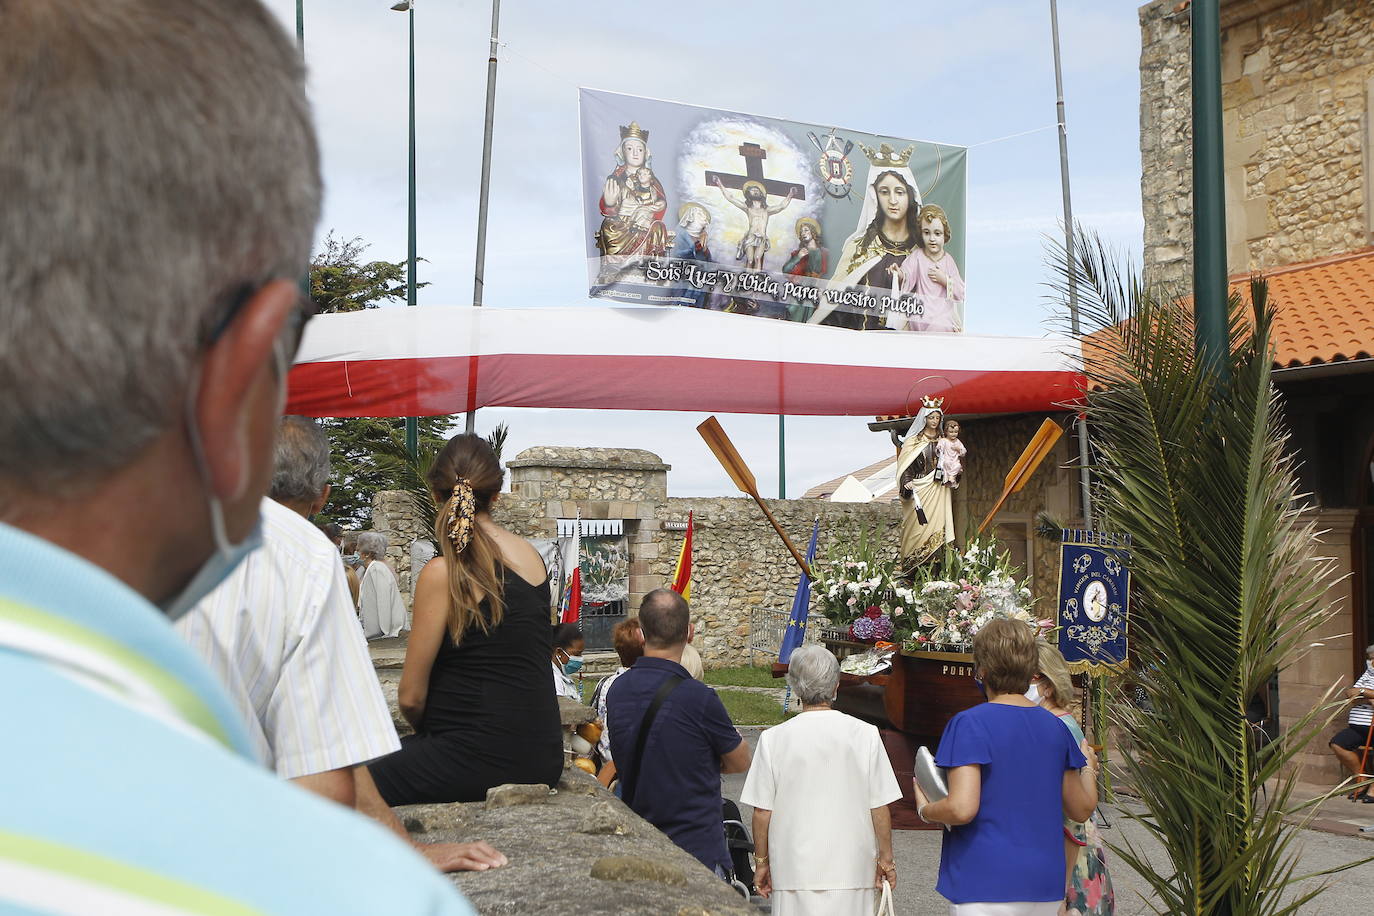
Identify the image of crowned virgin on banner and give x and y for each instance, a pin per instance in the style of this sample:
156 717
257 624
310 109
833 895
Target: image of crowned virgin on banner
632 206
768 218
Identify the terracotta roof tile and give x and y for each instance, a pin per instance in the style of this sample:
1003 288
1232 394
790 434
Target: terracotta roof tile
1324 310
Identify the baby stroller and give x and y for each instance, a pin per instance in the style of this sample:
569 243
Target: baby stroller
741 875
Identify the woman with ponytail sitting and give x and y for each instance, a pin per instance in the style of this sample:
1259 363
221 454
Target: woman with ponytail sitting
476 680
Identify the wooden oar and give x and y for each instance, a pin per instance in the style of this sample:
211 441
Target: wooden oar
739 472
1044 439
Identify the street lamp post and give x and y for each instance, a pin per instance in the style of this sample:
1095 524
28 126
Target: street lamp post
408 7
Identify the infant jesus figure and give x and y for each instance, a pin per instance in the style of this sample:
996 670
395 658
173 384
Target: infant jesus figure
948 452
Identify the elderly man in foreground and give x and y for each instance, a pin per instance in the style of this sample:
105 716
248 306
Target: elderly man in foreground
160 182
820 786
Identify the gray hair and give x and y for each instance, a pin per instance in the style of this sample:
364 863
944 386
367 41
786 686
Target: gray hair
1368 651
159 165
813 674
301 469
370 542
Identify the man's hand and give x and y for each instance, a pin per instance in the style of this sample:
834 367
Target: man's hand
887 871
763 879
461 856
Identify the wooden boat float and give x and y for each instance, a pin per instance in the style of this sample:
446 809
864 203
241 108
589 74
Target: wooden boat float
917 696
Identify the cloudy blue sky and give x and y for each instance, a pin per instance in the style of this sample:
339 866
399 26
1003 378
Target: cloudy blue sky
962 73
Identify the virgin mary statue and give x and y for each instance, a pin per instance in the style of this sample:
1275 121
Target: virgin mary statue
927 509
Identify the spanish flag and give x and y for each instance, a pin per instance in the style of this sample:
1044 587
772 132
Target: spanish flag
682 575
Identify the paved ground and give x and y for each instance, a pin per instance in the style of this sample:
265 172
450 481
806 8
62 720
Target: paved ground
917 854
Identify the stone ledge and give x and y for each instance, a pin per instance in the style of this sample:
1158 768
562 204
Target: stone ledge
561 457
555 846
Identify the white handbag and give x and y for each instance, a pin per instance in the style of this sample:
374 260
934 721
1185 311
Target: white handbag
885 907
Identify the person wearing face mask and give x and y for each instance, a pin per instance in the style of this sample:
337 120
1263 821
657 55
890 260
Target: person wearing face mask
1013 773
1346 744
1088 885
152 255
567 660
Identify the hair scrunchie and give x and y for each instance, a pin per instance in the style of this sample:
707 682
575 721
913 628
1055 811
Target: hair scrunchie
461 509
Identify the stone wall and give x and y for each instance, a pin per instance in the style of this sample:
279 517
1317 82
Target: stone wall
393 515
740 566
596 474
1297 79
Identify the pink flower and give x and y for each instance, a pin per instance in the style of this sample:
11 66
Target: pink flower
898 612
852 601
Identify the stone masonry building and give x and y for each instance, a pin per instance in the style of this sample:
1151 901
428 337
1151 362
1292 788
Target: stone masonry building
1298 125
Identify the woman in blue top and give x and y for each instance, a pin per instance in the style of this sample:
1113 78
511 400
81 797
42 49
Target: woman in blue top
1013 773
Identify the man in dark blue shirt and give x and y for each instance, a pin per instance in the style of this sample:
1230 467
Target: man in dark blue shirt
690 743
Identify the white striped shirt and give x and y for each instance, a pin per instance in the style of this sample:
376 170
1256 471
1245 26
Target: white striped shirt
282 635
1362 714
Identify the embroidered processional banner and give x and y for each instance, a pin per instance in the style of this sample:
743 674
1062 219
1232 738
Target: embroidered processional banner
778 219
1094 601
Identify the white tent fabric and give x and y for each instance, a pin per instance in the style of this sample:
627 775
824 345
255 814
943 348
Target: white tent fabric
441 360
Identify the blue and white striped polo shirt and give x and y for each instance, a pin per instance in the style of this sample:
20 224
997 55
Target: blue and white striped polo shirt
126 786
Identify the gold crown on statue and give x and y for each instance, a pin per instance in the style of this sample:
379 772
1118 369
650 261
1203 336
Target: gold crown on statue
886 157
635 131
933 403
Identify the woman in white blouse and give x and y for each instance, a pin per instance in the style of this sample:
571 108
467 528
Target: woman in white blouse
820 785
379 600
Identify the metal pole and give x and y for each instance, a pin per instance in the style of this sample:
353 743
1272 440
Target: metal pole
782 457
480 270
1084 476
412 424
1209 189
300 26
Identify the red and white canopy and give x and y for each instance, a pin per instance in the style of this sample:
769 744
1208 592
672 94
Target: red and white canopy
440 360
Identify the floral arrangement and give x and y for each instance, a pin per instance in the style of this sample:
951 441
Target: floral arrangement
860 588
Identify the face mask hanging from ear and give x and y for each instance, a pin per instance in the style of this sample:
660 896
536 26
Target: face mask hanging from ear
226 556
1033 694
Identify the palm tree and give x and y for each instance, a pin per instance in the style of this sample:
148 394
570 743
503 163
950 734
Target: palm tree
1192 463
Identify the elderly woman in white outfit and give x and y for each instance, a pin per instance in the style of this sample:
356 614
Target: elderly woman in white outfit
820 785
379 600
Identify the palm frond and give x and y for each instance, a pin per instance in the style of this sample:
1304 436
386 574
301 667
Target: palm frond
1193 464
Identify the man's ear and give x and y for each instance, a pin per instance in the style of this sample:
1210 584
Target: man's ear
321 500
233 373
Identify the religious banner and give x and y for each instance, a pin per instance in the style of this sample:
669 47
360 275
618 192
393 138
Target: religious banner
1094 601
775 219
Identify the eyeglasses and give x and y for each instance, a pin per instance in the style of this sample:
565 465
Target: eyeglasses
292 331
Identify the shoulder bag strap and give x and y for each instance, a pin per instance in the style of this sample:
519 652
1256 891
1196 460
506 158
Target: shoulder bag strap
630 780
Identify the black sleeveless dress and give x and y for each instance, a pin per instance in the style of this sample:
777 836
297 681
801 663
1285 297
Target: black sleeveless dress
491 716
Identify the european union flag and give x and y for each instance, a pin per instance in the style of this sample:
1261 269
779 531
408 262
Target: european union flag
801 604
